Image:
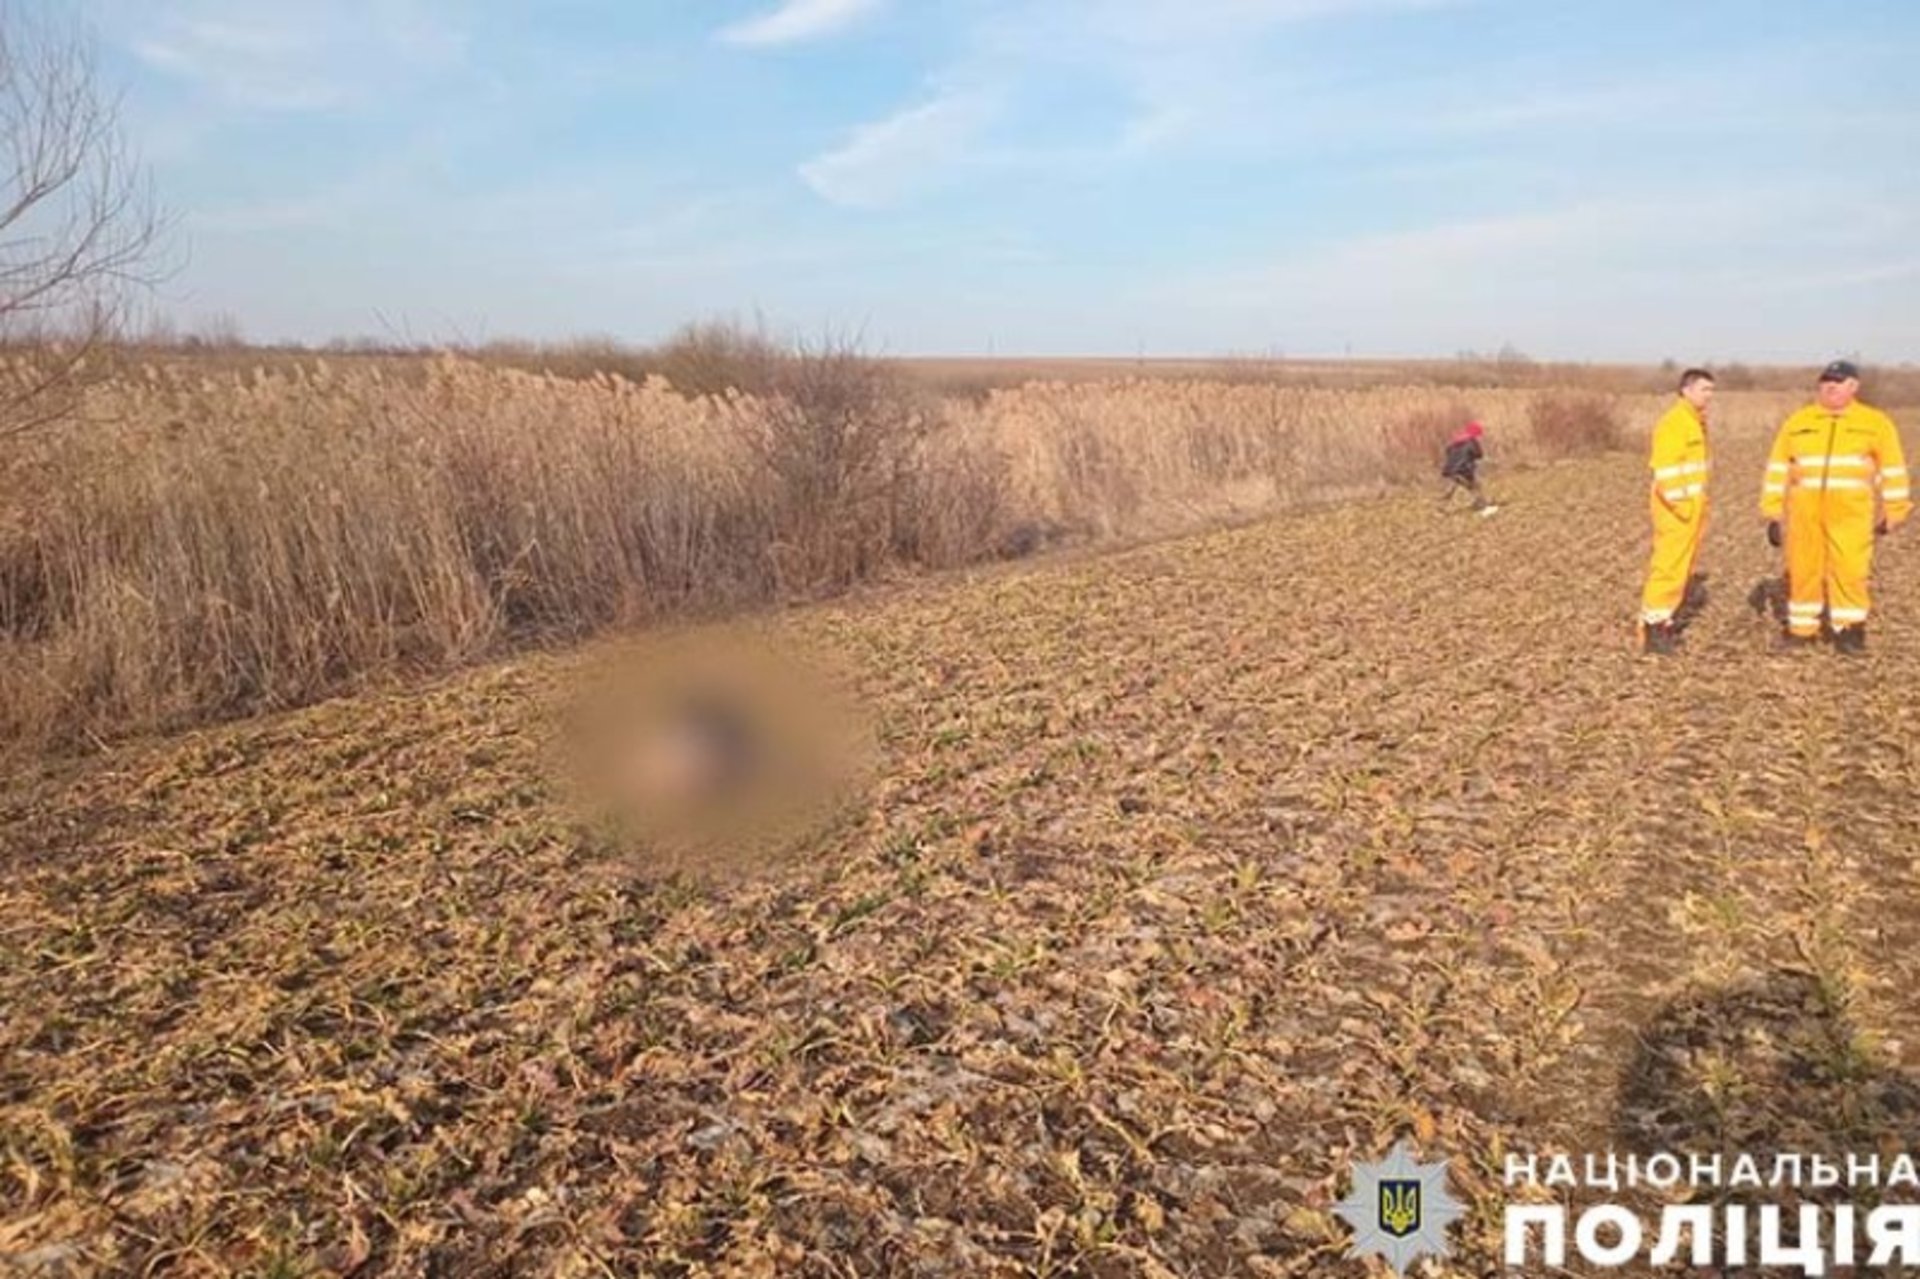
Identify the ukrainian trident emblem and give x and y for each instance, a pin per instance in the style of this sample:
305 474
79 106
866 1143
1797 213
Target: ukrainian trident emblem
1399 1206
1400 1209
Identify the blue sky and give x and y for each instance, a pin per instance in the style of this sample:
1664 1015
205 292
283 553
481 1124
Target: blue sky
1386 177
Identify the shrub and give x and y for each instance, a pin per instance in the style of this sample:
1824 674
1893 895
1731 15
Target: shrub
1897 387
1735 377
1572 425
715 357
838 446
707 358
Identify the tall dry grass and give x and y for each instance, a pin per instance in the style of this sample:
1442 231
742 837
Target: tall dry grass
222 540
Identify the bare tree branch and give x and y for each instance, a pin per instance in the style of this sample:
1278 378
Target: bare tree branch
80 233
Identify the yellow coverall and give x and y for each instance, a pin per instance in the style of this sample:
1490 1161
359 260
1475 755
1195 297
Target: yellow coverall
1678 499
1824 472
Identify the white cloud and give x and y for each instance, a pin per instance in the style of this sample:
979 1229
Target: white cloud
1634 277
334 201
1181 70
302 56
1185 73
798 20
1451 254
1157 23
889 160
1492 270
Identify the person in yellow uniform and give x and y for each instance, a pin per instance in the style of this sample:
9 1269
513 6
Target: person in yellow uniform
1678 500
1832 463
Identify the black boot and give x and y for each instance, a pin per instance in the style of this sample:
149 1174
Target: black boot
1659 639
1788 642
1851 640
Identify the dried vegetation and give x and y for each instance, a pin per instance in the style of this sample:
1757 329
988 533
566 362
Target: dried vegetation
219 540
1186 875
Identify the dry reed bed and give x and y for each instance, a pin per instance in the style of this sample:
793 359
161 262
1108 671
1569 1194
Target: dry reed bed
229 541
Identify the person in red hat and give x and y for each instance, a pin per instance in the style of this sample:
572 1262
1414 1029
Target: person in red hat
1461 467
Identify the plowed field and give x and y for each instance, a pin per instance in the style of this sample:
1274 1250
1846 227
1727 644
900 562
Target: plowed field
1187 875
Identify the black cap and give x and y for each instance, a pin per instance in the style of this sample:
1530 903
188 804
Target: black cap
1839 371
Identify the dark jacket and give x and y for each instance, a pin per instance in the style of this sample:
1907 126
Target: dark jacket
1462 457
